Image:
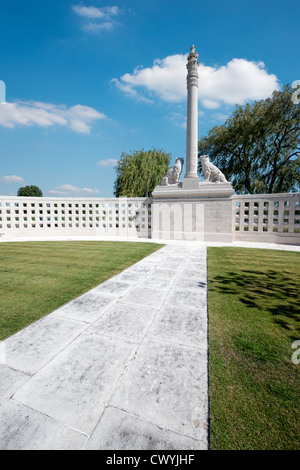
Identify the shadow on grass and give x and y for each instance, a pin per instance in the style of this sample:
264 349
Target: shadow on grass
271 291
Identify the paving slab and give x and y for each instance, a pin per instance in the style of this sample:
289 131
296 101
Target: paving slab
86 308
142 268
130 276
127 322
173 262
172 387
193 272
75 386
153 282
34 346
11 381
113 287
145 297
184 284
164 273
191 298
124 366
22 428
189 329
121 431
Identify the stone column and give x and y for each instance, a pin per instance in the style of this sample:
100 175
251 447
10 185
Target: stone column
191 179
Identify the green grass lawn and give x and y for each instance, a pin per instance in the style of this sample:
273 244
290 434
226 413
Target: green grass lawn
254 306
38 277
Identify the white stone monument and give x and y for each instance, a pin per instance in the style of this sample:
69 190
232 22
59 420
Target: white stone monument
193 210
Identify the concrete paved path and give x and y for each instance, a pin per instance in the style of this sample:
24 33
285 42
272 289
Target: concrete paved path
121 367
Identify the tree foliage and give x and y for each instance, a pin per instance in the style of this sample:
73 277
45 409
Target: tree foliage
139 172
33 191
258 147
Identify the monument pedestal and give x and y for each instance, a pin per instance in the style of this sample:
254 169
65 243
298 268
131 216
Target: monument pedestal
199 213
190 183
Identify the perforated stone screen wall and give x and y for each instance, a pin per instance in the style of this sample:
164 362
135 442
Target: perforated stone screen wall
25 216
269 217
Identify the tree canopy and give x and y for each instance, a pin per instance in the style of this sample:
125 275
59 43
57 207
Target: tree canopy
139 172
33 191
258 147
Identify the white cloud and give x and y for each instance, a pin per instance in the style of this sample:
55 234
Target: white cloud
12 179
236 82
98 27
178 119
210 103
108 162
70 190
77 118
221 116
166 79
95 13
97 19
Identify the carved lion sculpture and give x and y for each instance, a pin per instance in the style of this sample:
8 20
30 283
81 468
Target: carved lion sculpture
212 174
173 174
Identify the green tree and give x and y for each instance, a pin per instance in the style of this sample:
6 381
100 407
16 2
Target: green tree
30 191
258 147
139 172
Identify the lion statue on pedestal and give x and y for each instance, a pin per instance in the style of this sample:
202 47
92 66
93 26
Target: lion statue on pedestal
212 174
173 174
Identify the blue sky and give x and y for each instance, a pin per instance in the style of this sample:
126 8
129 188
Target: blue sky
88 80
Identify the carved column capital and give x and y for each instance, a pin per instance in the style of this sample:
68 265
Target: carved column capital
192 67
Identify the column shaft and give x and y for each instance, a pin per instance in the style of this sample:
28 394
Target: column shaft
191 179
192 133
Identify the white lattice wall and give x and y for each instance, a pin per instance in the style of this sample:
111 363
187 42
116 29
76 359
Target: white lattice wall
26 216
267 217
273 218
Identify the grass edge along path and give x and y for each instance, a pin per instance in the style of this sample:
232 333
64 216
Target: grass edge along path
36 278
254 306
